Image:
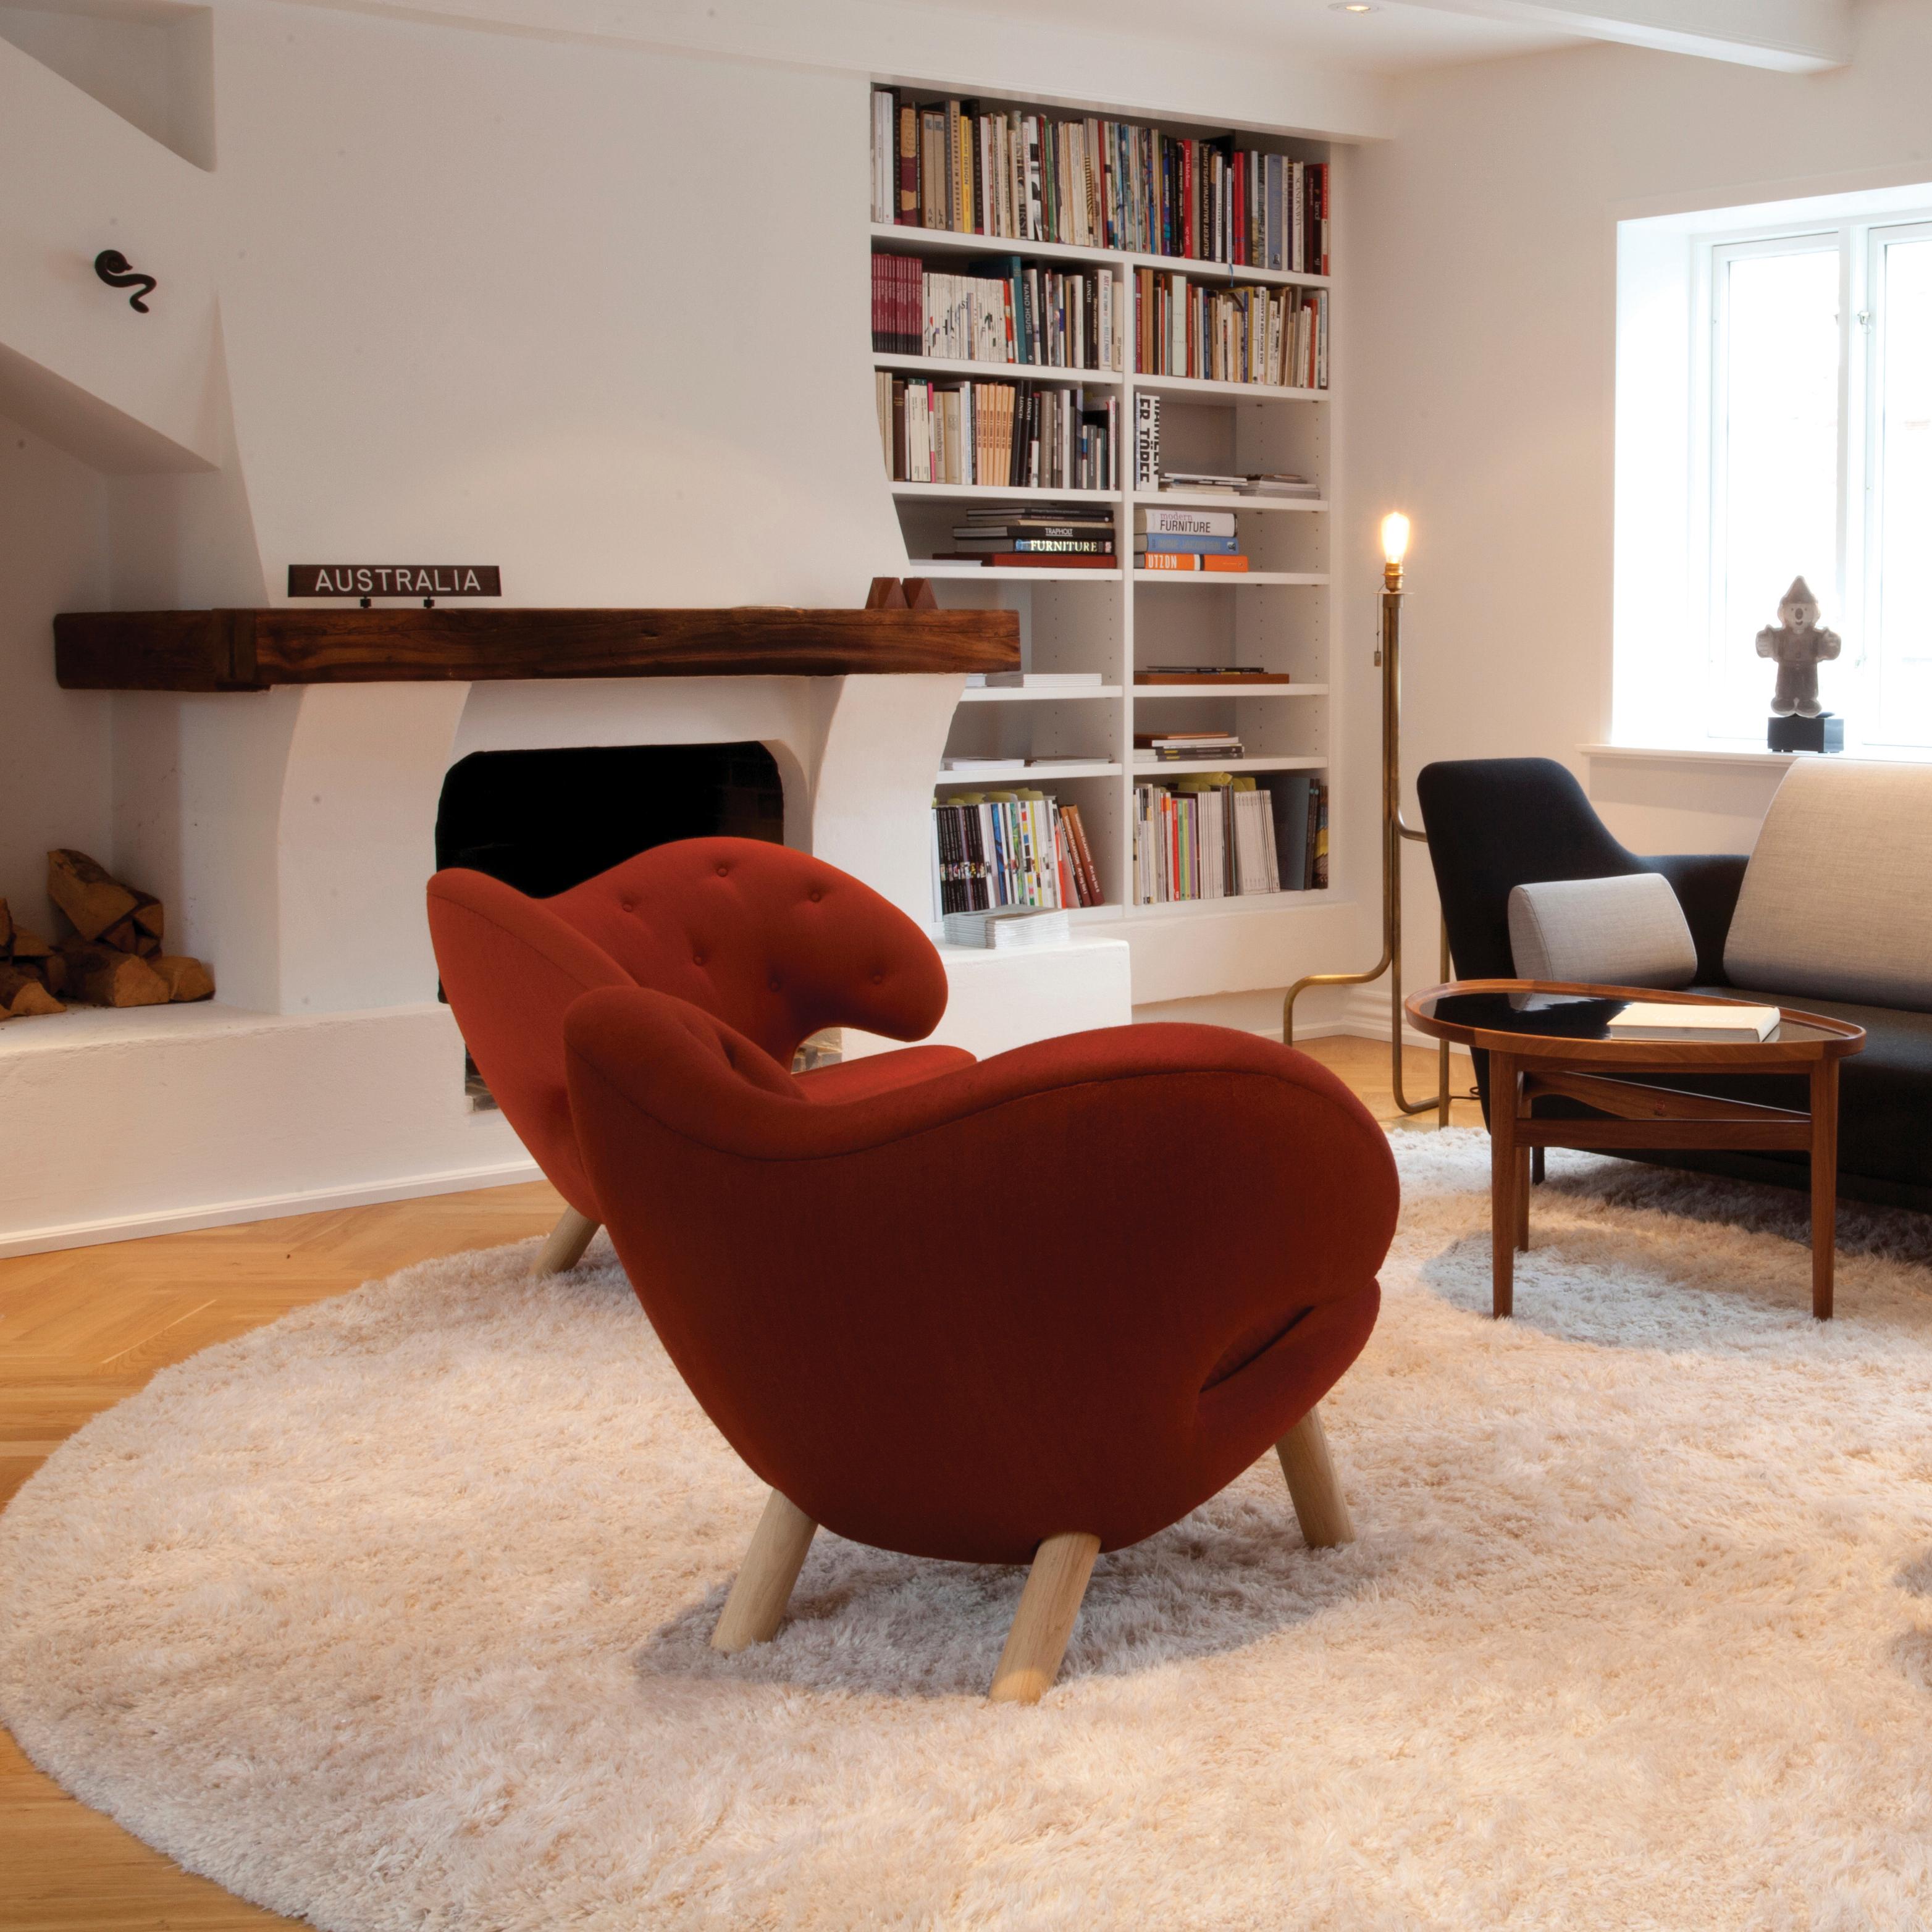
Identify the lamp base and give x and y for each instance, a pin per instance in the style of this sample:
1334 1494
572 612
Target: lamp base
1825 733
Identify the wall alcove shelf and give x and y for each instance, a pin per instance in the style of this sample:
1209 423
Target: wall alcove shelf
250 650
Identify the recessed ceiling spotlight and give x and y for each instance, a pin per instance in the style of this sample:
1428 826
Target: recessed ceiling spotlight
1351 7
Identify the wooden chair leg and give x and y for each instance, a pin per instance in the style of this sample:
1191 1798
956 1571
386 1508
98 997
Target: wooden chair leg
1312 1487
568 1241
755 1608
1044 1620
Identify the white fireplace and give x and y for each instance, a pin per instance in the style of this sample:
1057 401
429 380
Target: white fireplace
291 832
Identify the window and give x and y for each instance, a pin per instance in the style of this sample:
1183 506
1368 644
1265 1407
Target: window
1799 420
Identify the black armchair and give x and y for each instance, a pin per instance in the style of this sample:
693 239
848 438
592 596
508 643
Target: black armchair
1497 823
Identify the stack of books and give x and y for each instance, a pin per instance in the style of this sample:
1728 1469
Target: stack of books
1094 184
1056 536
1230 675
998 435
1204 482
1177 539
998 311
1223 835
1281 483
1181 746
1185 328
1011 927
997 849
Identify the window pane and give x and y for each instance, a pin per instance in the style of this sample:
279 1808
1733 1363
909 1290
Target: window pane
1778 511
1904 559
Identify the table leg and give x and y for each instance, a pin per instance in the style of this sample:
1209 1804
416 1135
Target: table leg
1824 1184
1522 1199
1505 1096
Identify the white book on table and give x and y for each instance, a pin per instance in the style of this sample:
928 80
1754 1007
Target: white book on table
1661 1019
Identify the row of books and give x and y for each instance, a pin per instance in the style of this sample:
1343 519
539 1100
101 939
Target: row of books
1009 848
1186 327
1004 311
1094 184
1006 435
1221 836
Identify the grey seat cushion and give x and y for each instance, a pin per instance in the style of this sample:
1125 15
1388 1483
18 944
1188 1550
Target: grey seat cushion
1835 898
1624 931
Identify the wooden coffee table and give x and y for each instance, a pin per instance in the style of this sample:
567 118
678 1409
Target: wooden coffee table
1548 1040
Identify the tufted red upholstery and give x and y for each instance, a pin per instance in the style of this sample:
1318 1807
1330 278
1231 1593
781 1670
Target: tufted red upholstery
1079 1286
773 942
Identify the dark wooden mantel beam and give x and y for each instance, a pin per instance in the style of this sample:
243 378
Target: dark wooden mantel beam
249 650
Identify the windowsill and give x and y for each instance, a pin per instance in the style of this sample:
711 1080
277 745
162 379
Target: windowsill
1740 759
1695 755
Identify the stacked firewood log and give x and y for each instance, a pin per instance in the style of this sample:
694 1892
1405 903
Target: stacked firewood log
113 956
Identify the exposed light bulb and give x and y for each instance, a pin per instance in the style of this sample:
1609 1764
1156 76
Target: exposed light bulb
1395 536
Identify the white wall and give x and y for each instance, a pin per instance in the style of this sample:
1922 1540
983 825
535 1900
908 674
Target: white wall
54 744
1484 400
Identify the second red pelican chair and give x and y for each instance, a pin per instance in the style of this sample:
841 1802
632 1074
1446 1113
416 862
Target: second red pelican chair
1022 1312
773 943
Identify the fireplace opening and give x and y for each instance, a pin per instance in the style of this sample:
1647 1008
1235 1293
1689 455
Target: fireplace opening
544 821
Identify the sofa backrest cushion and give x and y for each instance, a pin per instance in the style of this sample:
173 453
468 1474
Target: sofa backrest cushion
1835 901
1627 932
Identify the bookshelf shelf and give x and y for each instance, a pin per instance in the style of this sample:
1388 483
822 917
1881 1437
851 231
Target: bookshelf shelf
988 493
1175 768
1206 388
1254 579
1212 499
1065 695
1094 621
999 372
908 240
1227 271
1038 775
1155 693
955 571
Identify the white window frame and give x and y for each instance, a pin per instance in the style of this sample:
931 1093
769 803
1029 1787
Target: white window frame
1853 602
1715 253
1878 237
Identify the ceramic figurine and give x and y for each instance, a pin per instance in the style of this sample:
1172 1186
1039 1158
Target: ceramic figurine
1798 646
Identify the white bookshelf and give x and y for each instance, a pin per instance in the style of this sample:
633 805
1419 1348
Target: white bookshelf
1277 617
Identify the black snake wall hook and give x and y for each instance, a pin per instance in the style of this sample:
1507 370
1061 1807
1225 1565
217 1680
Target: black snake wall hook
111 265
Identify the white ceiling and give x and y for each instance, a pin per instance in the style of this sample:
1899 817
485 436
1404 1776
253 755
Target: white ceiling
1397 38
1403 36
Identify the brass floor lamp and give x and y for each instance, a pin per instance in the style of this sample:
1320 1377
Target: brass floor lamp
1395 544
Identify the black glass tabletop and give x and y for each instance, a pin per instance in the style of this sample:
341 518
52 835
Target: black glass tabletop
1560 1015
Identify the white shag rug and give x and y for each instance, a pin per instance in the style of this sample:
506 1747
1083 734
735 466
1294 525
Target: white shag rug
393 1614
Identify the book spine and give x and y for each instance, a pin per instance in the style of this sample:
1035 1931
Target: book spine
1179 541
907 211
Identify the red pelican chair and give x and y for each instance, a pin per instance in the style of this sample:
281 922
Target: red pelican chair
773 943
1022 1312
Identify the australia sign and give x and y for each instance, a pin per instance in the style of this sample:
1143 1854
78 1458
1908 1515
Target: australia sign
395 580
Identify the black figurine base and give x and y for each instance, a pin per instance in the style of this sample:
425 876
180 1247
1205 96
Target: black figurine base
1825 733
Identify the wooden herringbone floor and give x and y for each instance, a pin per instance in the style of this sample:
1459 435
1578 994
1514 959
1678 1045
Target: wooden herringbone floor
81 1329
